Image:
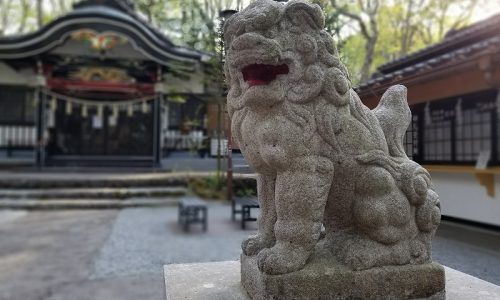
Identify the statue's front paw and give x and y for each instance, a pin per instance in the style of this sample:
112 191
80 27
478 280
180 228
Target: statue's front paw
360 260
356 253
282 258
255 243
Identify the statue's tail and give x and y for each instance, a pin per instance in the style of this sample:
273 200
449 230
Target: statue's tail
394 117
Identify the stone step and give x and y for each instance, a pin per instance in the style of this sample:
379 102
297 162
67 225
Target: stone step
59 204
47 181
92 193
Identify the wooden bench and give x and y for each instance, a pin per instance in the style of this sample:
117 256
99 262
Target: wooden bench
191 211
246 204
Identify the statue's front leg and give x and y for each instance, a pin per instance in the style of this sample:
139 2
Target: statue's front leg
300 196
265 235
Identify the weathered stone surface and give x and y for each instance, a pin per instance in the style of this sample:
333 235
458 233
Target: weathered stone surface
204 281
324 278
221 281
322 157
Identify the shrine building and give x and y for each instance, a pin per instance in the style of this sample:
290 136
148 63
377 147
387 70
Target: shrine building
453 92
99 86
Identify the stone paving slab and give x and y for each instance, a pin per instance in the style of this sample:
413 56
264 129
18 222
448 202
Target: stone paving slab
221 281
204 281
42 253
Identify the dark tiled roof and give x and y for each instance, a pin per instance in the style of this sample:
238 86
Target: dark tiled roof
124 5
433 62
114 14
453 40
457 45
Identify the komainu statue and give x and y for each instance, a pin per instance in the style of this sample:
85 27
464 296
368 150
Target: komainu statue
330 170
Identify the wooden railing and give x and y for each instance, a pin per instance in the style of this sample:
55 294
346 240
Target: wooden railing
175 140
15 137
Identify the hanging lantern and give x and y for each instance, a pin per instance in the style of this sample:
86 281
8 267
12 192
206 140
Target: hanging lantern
69 107
116 111
85 111
145 107
51 119
53 104
113 117
100 111
130 110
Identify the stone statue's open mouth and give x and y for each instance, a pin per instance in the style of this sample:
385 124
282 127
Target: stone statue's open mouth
261 74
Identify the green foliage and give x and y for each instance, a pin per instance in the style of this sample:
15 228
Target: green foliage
247 192
351 55
403 26
245 187
206 188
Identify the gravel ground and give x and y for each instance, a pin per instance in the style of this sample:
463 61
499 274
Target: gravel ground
143 240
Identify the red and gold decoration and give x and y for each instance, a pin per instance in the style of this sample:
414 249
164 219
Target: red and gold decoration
104 41
113 75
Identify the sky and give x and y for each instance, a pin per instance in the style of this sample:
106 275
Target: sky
488 9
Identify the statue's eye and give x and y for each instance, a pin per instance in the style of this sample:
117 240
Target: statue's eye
270 34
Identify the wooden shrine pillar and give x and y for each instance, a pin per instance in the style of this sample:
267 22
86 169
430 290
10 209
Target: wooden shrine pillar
41 100
157 129
157 126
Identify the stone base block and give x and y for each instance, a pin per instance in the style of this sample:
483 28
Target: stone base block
324 278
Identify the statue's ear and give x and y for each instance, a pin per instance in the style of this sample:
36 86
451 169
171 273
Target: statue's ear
300 13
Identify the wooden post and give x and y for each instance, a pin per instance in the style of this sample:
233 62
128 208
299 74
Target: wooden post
40 128
229 164
157 129
157 118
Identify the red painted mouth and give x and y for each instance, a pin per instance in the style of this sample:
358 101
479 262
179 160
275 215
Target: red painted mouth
260 74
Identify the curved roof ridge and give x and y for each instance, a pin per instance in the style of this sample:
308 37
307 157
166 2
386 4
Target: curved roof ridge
94 15
125 5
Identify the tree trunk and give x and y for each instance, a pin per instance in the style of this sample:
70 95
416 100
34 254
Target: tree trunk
24 15
39 13
368 60
5 9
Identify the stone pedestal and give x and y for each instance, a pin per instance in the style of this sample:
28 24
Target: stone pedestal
326 279
221 281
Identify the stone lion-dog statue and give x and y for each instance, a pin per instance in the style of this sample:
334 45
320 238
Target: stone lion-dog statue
327 167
